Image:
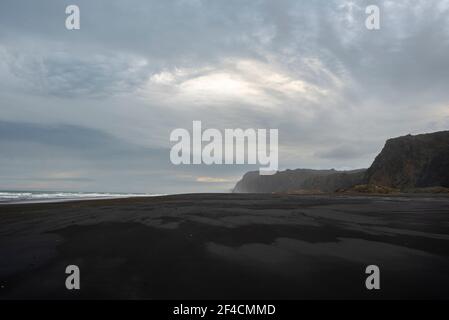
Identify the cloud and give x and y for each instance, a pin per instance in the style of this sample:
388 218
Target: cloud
232 83
63 74
213 180
75 158
346 152
104 99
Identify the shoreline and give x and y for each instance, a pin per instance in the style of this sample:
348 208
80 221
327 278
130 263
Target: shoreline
59 200
305 195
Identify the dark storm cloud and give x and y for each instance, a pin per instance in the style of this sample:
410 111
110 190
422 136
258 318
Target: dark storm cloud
64 75
68 136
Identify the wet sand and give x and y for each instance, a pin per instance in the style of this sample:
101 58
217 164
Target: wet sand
227 246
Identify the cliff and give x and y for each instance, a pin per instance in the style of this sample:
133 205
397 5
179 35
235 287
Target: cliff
299 181
405 163
412 162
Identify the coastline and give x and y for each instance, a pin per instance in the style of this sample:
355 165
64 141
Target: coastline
421 196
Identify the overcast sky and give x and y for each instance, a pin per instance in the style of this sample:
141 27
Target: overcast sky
92 109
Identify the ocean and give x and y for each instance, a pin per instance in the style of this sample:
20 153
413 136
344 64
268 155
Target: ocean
56 196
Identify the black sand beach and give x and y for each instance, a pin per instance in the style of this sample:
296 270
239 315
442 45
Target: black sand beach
231 246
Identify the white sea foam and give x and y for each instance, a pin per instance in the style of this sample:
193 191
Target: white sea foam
45 196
